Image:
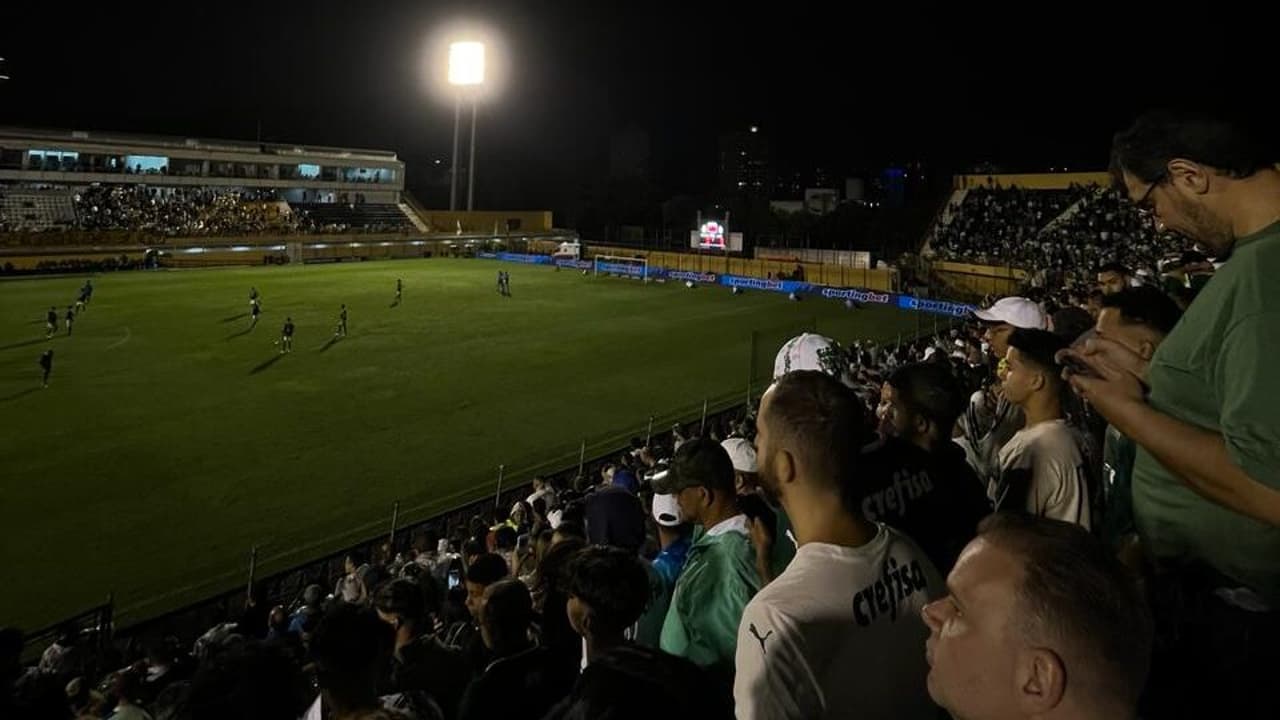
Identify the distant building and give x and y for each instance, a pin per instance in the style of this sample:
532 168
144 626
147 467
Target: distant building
299 173
821 201
745 164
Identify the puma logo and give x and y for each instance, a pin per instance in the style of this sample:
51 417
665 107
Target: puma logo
756 634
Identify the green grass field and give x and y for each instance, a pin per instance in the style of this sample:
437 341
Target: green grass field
172 438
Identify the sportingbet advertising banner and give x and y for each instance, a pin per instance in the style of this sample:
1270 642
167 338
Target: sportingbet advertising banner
800 287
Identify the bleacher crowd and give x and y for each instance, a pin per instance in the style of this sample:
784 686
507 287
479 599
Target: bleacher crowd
1066 507
157 211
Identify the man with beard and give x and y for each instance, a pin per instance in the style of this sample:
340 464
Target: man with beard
915 478
1203 412
832 636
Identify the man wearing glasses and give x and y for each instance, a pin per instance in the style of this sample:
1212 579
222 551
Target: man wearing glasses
1205 410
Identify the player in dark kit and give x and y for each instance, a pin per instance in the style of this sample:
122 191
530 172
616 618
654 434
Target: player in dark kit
51 322
286 336
46 364
70 317
255 309
341 330
399 290
253 296
501 284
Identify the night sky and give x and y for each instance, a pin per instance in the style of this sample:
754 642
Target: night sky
828 89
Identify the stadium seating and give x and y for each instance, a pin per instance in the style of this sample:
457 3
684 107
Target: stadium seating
36 210
341 217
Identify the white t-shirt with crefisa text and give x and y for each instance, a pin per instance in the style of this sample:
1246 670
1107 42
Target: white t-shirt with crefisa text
1043 471
838 634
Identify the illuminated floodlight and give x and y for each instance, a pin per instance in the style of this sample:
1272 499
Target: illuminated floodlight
466 63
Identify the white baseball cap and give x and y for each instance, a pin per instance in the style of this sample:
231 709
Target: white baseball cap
809 351
742 453
1016 311
666 511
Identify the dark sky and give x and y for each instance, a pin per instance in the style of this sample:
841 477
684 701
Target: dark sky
827 86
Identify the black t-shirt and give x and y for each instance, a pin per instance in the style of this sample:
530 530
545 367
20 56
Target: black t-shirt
933 497
523 686
615 517
426 665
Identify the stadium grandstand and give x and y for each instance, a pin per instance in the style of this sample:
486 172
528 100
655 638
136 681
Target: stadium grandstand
169 186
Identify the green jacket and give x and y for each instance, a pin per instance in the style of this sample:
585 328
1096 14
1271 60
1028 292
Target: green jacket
718 581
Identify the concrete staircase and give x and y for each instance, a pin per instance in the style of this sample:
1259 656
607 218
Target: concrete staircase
413 217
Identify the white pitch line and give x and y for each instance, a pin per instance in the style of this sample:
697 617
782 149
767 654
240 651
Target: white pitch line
122 340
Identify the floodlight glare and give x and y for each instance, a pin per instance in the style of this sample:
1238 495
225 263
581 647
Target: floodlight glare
466 63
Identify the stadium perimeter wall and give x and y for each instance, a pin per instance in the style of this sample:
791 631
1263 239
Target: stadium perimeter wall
966 280
880 279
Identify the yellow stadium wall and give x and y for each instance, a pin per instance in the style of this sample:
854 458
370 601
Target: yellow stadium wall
823 274
968 279
1033 181
445 221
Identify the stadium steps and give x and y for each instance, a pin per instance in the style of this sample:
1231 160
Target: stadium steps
1071 211
413 217
943 218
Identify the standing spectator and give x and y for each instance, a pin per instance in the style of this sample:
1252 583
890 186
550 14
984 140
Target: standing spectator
309 612
350 648
828 638
349 588
484 571
127 690
550 602
520 682
504 545
64 659
771 534
985 432
614 514
420 663
915 478
542 489
608 589
1139 319
1042 468
674 539
720 574
1206 476
1041 621
1113 278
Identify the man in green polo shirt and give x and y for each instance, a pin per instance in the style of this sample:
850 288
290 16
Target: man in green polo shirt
1206 476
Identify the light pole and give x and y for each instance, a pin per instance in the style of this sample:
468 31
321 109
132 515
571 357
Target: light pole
466 70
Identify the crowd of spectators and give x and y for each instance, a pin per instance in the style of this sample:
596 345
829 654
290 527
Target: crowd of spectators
1050 510
200 212
1060 237
180 212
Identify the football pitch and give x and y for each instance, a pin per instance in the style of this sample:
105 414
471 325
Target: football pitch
174 437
